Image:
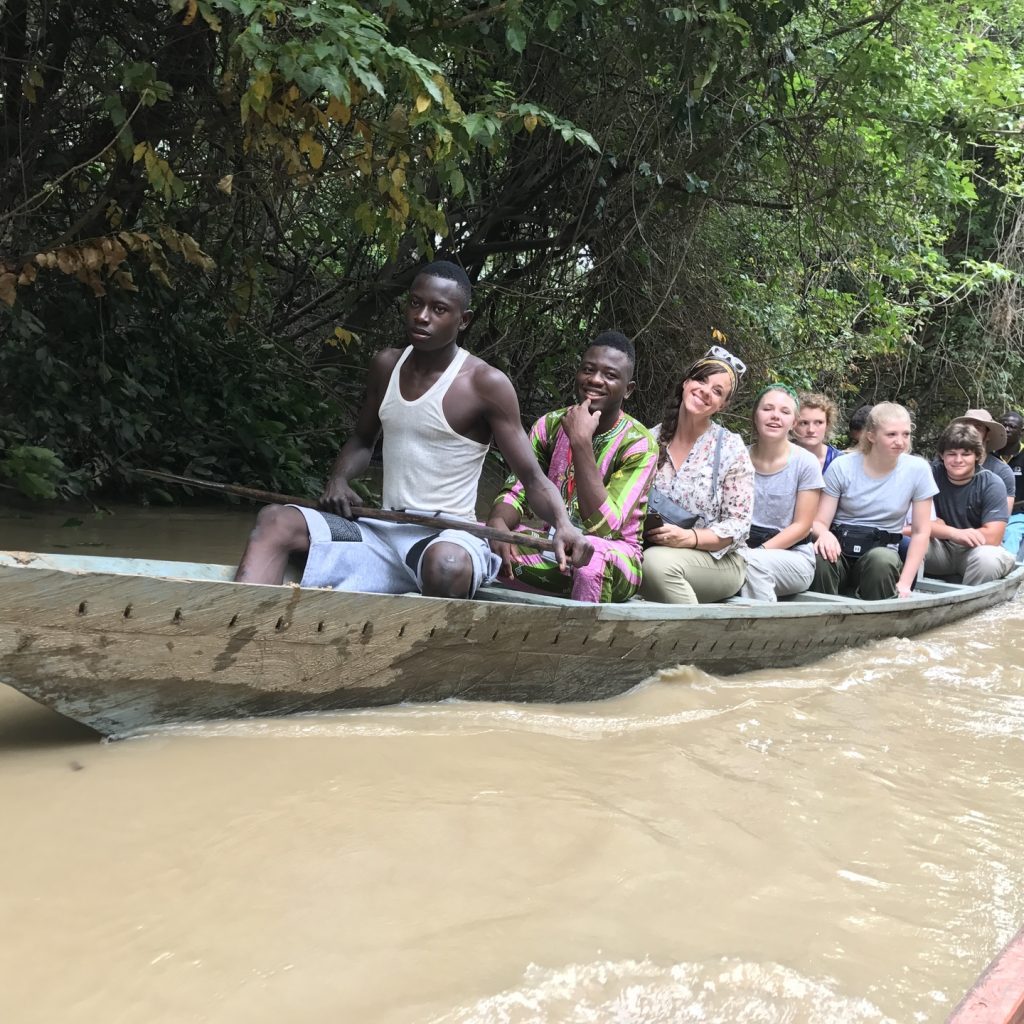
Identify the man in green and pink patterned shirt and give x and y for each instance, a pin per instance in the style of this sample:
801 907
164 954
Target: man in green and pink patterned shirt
602 461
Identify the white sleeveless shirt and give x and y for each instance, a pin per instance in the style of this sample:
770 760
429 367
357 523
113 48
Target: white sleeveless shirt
427 465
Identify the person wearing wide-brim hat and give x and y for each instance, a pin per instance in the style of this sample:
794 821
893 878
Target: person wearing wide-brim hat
993 435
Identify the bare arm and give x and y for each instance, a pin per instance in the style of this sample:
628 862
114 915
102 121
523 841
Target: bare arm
920 533
670 536
502 413
969 537
357 451
825 542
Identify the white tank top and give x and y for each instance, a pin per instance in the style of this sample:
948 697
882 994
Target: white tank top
427 465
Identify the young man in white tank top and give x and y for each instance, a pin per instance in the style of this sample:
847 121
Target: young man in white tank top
439 408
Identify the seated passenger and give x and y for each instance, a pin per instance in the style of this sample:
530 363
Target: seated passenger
814 425
703 493
993 437
971 512
855 427
861 514
602 461
436 405
1013 455
787 485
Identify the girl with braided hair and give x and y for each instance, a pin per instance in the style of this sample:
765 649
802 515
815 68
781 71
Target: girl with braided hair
703 493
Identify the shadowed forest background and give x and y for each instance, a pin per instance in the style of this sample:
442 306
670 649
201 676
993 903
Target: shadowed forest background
209 210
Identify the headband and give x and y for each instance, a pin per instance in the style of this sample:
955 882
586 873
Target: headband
719 364
777 386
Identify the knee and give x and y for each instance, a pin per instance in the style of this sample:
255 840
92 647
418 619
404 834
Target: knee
282 526
883 560
446 570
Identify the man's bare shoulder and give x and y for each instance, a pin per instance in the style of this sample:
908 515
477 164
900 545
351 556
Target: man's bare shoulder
488 381
384 361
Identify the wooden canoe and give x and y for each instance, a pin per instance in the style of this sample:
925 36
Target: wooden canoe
127 644
998 995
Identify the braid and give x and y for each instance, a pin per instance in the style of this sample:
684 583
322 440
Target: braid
668 424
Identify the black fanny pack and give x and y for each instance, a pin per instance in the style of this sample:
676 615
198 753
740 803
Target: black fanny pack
759 534
660 504
859 540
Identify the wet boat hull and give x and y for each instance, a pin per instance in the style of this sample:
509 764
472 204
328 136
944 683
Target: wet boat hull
127 644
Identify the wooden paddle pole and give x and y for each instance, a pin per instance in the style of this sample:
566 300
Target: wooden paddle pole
433 521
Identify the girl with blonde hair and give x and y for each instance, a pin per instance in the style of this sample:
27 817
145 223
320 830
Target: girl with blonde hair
864 506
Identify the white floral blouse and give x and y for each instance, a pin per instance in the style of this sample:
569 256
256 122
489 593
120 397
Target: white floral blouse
726 512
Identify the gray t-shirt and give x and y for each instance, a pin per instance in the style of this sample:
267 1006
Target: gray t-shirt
994 464
775 493
881 503
969 506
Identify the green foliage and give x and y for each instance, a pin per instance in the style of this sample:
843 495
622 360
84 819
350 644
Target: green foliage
34 471
218 203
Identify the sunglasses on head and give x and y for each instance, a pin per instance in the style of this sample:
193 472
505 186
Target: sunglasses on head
725 356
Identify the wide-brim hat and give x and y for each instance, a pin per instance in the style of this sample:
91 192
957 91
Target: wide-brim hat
981 419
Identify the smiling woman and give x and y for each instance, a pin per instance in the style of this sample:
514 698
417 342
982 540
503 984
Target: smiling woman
704 489
787 486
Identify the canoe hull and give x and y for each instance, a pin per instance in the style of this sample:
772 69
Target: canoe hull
124 652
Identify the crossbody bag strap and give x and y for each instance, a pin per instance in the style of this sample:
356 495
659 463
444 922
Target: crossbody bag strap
718 460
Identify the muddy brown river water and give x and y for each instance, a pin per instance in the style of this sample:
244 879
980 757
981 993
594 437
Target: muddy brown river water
835 843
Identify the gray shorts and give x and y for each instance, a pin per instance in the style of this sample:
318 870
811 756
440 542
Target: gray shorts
386 557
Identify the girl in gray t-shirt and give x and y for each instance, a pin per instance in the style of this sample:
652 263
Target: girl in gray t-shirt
787 485
874 488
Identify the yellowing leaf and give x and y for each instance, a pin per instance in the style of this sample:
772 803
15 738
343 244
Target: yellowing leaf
717 335
191 10
123 279
28 274
398 177
316 155
68 261
225 184
139 151
422 103
8 288
342 338
338 111
262 87
530 122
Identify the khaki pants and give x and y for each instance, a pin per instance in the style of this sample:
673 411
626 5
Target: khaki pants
975 565
685 576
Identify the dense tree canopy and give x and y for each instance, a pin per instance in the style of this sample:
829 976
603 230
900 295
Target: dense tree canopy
208 208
